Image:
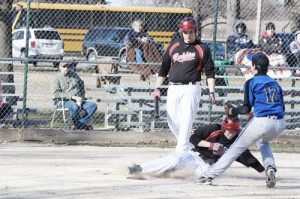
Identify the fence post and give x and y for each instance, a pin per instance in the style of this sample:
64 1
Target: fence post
24 111
214 48
258 21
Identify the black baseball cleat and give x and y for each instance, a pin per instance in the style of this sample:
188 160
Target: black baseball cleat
134 168
204 181
270 177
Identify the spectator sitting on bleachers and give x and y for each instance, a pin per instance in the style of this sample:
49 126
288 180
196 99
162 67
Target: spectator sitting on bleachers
295 50
136 38
238 40
142 48
69 86
272 45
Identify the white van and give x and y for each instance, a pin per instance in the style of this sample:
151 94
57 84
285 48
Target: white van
44 43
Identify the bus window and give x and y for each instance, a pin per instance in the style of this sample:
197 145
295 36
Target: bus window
78 18
22 20
99 19
156 21
138 15
14 14
164 21
118 19
59 19
41 18
73 24
47 17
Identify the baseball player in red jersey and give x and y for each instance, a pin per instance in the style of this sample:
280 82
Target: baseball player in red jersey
184 61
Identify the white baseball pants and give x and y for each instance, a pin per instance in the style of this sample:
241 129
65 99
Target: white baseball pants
182 105
175 161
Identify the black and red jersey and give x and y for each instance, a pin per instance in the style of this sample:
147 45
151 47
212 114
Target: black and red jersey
214 133
184 62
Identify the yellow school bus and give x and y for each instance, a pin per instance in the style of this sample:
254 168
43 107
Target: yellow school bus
72 21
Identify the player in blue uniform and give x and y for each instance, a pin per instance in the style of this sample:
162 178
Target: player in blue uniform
263 94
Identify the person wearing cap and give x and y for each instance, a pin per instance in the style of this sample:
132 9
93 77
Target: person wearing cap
67 85
265 96
272 44
295 50
184 61
238 40
210 142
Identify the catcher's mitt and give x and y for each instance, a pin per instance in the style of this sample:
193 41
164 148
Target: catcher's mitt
228 109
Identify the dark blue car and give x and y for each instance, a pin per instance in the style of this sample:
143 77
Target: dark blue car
108 42
220 49
104 42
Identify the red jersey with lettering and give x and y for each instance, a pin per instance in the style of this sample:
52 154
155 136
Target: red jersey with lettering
184 62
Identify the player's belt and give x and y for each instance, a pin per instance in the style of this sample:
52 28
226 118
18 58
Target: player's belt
274 117
183 83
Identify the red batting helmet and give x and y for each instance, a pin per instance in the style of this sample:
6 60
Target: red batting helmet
188 23
232 124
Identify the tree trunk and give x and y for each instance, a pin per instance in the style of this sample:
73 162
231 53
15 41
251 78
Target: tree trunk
6 44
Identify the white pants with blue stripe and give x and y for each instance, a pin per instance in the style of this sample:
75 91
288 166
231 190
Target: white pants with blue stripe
260 130
175 161
182 105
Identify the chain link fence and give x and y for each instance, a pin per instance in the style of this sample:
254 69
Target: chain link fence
116 75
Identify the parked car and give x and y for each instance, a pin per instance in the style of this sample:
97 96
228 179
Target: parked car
44 43
220 49
107 42
104 42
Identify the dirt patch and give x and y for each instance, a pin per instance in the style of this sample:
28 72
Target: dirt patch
32 170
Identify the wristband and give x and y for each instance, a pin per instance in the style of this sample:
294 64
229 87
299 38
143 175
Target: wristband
211 145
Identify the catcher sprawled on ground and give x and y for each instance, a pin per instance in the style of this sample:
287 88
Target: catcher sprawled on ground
210 142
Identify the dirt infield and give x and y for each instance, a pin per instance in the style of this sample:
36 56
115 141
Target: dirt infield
42 171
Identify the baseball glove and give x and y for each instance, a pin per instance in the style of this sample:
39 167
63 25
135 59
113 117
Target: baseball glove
217 148
228 108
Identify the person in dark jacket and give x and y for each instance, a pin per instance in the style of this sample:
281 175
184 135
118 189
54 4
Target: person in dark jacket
272 45
295 50
238 40
67 85
136 38
210 142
